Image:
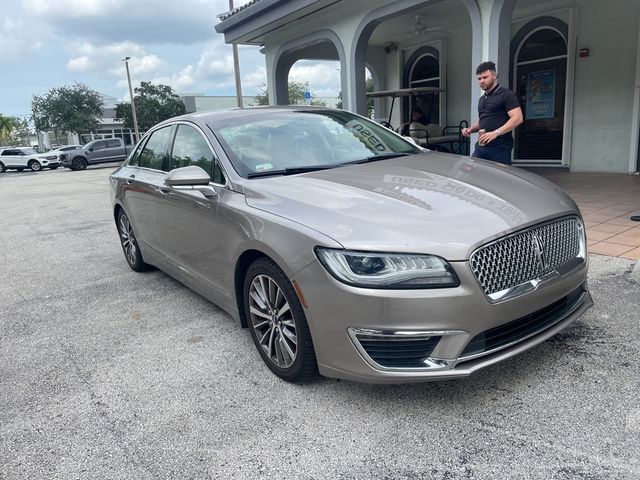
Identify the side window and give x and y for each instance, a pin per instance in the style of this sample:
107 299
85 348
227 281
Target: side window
154 151
190 148
8 152
113 143
99 145
135 157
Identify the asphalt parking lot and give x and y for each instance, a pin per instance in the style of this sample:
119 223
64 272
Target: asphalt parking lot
105 373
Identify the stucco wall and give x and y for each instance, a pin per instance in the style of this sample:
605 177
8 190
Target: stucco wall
604 85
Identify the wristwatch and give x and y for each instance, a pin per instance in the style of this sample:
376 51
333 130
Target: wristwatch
497 130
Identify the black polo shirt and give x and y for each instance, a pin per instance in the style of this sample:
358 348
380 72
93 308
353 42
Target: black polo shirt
492 111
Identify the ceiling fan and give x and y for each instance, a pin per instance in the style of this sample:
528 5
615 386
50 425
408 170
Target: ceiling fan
420 28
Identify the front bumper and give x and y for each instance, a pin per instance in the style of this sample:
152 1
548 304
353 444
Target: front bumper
451 323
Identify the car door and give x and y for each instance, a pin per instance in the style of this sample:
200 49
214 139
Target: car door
144 178
188 220
14 158
113 151
98 151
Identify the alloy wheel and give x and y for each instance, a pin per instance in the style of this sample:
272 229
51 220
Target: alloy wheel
272 321
128 239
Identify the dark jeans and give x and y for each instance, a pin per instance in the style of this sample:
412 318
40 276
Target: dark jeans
497 153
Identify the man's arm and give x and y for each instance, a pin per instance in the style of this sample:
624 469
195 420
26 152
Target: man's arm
515 119
472 129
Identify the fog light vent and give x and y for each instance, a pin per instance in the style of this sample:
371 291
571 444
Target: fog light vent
398 351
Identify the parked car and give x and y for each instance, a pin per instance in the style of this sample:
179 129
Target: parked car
95 152
19 158
344 247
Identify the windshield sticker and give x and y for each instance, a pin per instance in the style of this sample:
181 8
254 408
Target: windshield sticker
367 136
263 167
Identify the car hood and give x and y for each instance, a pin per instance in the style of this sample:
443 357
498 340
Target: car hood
445 205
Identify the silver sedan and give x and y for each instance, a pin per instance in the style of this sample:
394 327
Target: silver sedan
348 250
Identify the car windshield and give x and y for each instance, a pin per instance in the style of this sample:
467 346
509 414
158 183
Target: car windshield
29 151
283 142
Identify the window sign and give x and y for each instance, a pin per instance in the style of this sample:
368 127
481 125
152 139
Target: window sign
541 92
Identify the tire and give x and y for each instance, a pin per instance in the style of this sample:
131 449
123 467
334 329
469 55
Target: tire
34 165
2 168
53 168
129 244
79 163
277 322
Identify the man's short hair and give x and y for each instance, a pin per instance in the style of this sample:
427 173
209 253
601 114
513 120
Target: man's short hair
484 66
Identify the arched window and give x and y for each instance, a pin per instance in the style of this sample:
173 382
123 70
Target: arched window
422 69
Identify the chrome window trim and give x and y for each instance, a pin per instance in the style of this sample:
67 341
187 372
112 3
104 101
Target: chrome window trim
215 154
197 127
532 285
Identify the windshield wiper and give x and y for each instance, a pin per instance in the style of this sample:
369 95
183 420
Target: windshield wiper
375 158
290 170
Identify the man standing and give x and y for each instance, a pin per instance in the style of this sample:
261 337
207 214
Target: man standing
499 113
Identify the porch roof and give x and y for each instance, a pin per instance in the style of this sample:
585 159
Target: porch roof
248 23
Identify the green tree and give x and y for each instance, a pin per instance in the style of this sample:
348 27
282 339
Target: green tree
296 95
75 108
368 88
14 130
6 127
154 103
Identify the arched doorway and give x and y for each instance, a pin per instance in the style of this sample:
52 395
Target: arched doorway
539 64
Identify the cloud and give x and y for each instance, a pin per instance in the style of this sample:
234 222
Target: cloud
95 58
16 39
152 21
255 80
72 8
323 76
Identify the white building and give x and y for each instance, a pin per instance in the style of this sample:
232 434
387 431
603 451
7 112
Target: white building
575 64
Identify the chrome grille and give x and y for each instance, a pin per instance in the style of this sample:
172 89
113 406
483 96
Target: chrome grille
527 255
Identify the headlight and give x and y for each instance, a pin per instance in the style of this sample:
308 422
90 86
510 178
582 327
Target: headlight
387 270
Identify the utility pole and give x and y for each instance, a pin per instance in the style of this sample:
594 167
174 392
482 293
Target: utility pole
133 103
236 68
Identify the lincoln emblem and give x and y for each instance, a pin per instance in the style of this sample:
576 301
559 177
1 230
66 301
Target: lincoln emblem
539 249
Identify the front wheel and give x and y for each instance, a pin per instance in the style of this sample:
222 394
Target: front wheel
34 165
2 168
130 244
79 163
277 322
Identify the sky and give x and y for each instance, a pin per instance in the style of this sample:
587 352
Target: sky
46 44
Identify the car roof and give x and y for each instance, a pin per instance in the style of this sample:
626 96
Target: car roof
212 116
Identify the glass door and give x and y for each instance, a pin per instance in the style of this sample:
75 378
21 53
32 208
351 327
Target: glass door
541 79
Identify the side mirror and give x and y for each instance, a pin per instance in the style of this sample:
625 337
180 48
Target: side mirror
190 176
91 149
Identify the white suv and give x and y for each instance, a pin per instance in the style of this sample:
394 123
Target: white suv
20 158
